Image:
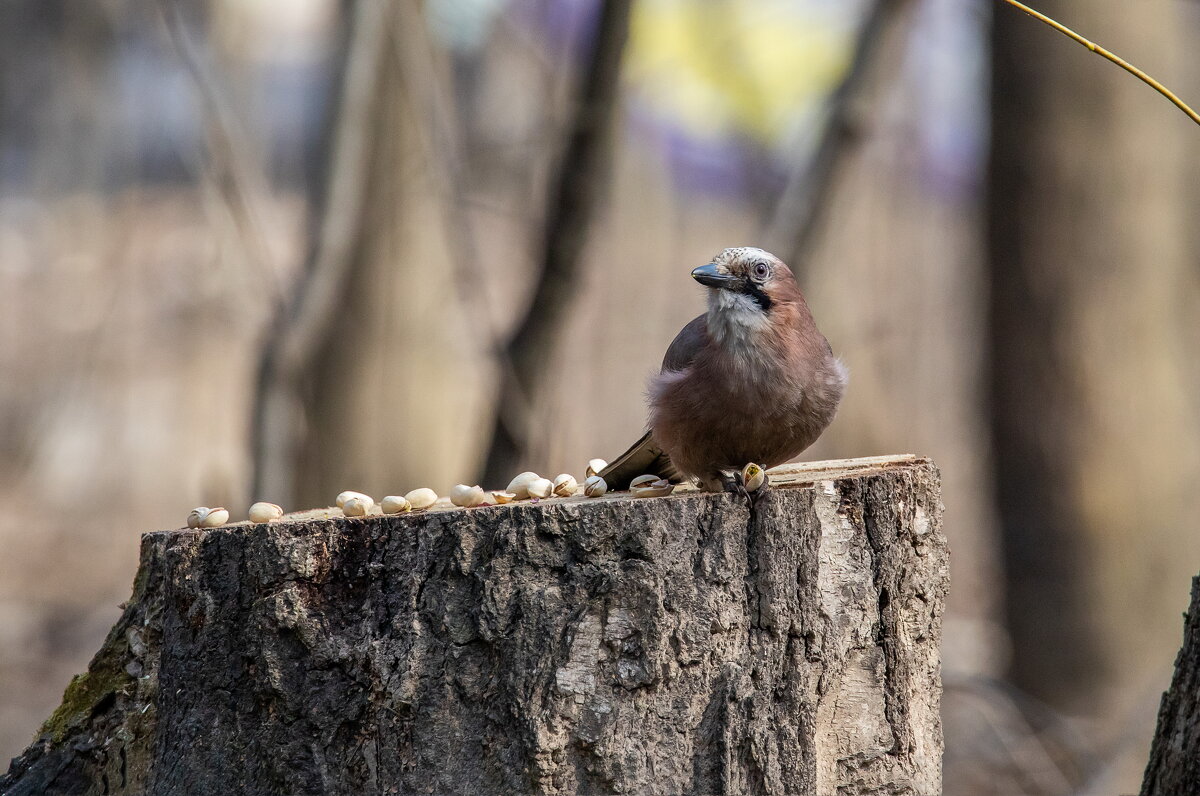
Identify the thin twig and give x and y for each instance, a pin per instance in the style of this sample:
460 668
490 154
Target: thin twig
1116 59
1004 710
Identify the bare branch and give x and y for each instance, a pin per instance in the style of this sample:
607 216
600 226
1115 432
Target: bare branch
800 211
233 173
443 151
442 146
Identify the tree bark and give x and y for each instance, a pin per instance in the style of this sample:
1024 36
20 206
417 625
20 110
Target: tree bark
1174 765
682 644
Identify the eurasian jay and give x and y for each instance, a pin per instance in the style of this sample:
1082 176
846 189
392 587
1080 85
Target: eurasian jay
751 380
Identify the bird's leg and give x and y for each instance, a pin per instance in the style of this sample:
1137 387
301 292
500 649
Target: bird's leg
733 483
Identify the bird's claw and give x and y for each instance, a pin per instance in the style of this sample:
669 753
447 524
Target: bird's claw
732 482
735 483
750 484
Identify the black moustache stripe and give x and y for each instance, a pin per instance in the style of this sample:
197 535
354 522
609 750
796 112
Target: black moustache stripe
755 292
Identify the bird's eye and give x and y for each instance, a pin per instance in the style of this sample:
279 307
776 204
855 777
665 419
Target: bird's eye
760 271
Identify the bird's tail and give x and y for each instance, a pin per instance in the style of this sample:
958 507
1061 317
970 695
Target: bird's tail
643 457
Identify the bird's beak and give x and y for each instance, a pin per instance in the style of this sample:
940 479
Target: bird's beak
712 276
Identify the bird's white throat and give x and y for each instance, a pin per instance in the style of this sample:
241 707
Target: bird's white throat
735 320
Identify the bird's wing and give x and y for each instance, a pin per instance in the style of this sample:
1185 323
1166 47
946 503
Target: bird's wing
643 457
683 348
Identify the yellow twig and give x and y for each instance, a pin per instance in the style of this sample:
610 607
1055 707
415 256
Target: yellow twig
1121 62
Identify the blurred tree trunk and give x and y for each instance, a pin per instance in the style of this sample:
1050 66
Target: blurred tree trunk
368 381
895 277
394 392
336 194
578 183
1093 302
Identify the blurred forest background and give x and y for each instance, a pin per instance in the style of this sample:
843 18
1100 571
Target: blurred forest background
273 250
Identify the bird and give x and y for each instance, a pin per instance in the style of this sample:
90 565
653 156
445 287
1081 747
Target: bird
752 380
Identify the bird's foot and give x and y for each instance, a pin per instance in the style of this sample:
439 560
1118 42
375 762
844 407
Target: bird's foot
732 483
751 490
750 484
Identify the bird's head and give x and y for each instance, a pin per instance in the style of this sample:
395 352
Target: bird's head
746 286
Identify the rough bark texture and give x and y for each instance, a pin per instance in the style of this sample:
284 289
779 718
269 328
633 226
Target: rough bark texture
1174 765
670 645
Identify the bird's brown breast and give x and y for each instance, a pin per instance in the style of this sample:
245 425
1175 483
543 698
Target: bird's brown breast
730 407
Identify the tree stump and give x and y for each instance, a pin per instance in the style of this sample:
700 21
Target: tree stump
1174 766
657 646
